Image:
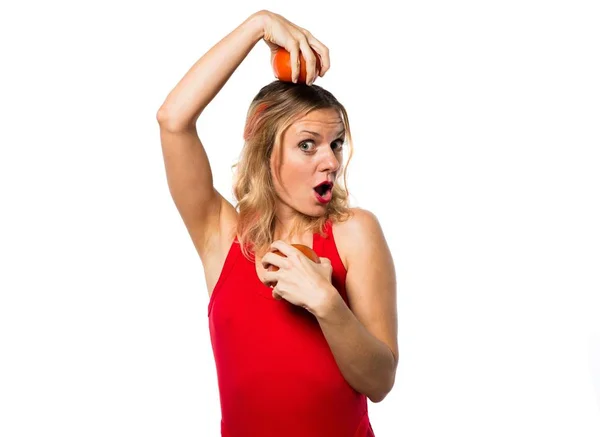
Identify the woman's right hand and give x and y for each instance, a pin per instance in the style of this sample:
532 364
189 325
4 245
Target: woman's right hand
279 32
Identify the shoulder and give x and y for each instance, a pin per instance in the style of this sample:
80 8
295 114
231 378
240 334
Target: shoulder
360 230
360 221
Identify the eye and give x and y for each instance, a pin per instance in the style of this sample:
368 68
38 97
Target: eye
340 144
304 143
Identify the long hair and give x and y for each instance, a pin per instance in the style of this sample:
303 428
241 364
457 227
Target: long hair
271 112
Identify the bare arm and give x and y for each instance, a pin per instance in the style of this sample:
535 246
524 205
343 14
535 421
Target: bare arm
366 362
204 211
189 175
363 335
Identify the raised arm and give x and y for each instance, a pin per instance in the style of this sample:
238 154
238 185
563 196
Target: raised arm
188 170
189 176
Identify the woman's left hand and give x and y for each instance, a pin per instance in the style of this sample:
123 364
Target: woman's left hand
299 280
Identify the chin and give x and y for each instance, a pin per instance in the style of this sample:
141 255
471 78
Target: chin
313 211
319 211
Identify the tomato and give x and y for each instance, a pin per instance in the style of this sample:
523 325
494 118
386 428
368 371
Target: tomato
307 251
283 69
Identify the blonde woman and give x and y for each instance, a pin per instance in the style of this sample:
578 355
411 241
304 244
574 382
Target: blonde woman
299 350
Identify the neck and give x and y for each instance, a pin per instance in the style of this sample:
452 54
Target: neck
284 228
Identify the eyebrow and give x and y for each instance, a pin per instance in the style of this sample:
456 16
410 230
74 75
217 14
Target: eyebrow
316 134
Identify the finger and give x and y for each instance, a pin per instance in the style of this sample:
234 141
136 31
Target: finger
270 279
293 47
325 260
321 50
310 59
283 247
271 259
275 294
267 260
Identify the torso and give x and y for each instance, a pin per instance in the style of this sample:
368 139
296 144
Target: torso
283 350
214 260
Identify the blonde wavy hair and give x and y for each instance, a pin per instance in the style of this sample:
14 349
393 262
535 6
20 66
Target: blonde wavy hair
271 112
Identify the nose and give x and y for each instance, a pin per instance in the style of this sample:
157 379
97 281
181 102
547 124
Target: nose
329 162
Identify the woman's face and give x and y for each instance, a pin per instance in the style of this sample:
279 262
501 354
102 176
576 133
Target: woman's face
311 152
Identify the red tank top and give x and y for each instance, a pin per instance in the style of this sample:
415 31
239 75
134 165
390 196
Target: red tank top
276 373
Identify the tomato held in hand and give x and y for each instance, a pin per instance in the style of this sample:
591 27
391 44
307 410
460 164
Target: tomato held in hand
283 67
307 251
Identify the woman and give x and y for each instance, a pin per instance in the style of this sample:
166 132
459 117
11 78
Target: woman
297 350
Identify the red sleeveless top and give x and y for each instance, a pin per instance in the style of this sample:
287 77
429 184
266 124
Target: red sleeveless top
276 374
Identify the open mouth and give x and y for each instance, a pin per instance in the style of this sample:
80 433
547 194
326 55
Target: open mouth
324 192
323 189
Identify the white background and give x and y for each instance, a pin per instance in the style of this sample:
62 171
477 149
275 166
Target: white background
477 135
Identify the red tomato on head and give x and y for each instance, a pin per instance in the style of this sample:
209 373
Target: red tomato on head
283 67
